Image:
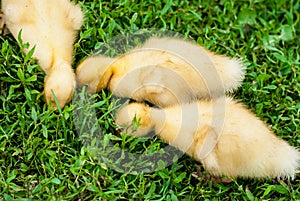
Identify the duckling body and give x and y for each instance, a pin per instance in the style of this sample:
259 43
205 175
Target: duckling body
222 134
51 26
163 71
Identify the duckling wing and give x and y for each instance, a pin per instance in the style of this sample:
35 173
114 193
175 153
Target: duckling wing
163 86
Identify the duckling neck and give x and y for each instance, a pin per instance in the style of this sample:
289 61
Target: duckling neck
158 120
185 128
169 125
61 65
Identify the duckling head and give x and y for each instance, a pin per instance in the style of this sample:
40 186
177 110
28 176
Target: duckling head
60 82
94 72
135 119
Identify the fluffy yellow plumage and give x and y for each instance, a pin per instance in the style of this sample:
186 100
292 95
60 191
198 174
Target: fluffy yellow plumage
51 26
222 134
163 71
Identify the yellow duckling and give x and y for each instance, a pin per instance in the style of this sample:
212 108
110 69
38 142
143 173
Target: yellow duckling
51 26
222 134
163 71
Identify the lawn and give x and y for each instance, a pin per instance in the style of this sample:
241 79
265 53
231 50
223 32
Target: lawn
47 155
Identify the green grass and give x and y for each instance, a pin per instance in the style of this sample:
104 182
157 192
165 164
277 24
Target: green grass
42 153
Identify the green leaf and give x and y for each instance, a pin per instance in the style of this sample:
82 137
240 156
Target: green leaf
270 87
249 194
93 188
34 114
28 94
286 33
51 152
151 190
180 177
280 57
20 40
45 131
20 74
166 7
55 181
37 189
32 79
24 167
99 104
280 189
133 19
86 34
247 16
111 26
163 175
12 176
17 152
30 67
268 190
29 156
173 197
8 197
161 164
29 54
